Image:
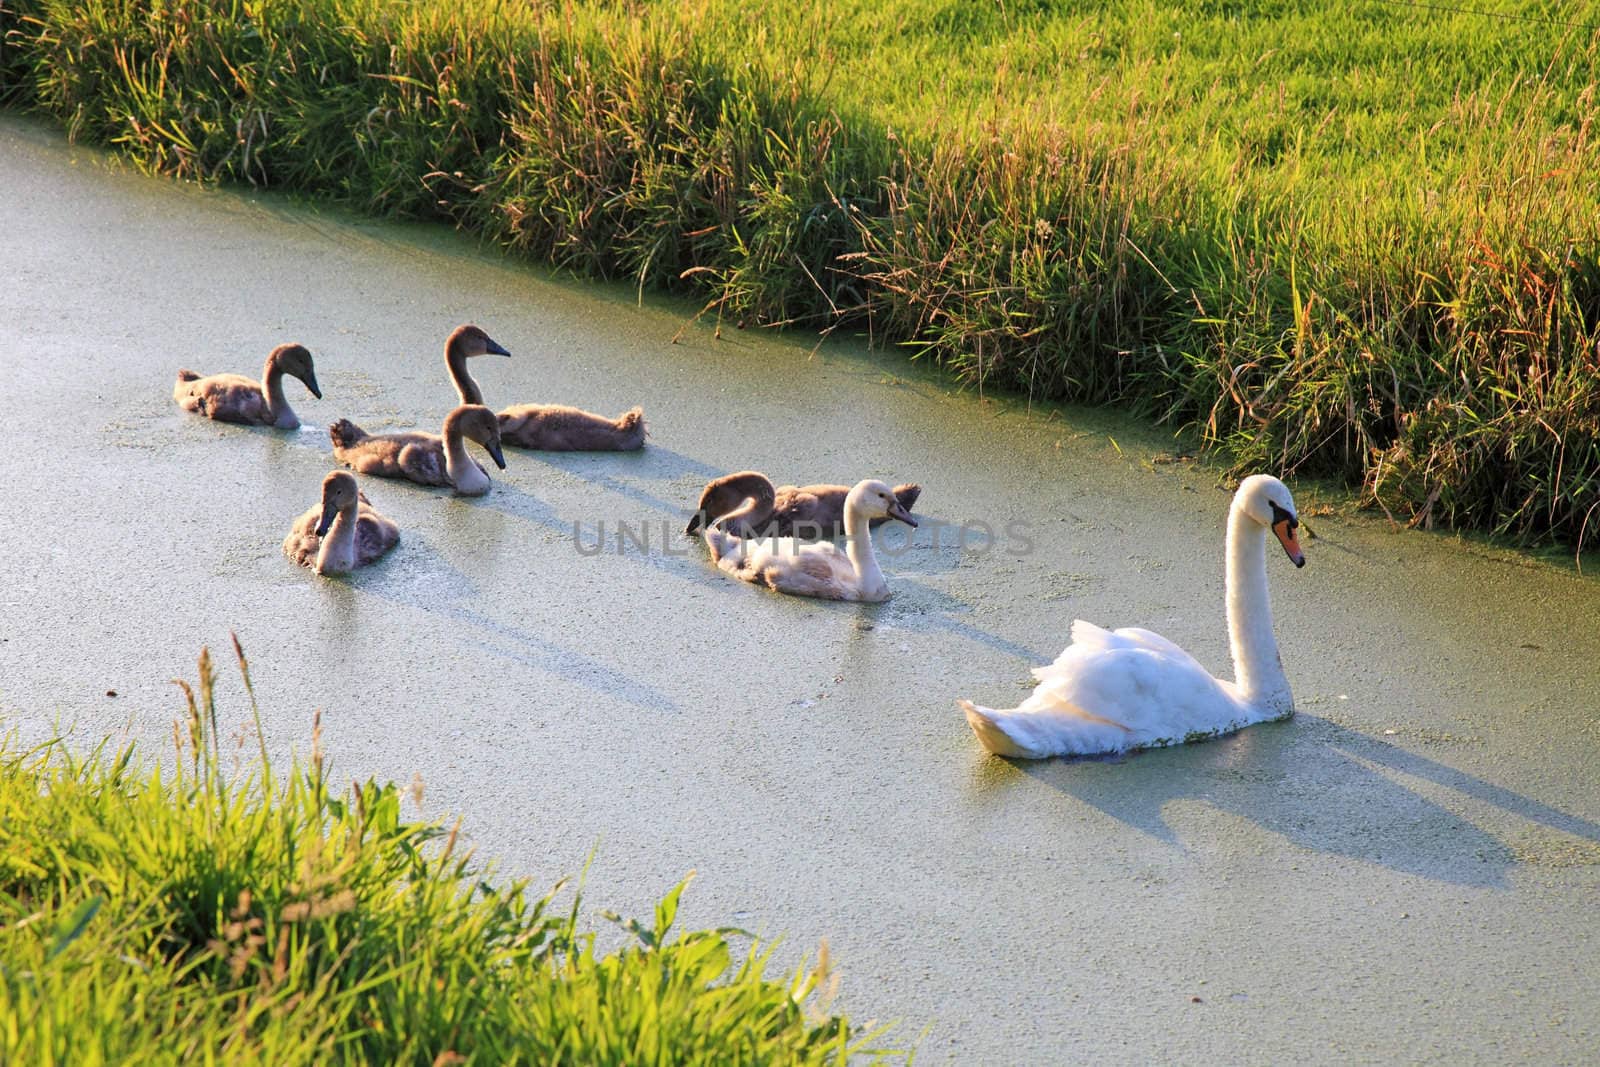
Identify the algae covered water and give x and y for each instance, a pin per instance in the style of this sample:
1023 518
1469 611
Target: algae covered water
1405 870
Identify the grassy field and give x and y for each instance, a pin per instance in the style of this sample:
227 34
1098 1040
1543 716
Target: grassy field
1352 240
202 916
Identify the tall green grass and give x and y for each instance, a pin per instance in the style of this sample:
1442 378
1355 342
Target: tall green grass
202 916
1359 241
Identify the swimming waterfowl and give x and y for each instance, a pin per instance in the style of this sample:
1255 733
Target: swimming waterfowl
235 398
1120 690
819 569
750 507
545 427
343 532
425 458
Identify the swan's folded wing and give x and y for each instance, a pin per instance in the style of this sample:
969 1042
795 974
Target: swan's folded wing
1089 638
1086 636
1143 690
375 534
1138 637
1056 699
816 574
743 556
302 543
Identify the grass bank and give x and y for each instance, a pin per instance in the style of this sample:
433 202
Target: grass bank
190 917
1358 241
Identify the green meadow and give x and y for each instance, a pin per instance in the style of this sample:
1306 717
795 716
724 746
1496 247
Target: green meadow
1347 240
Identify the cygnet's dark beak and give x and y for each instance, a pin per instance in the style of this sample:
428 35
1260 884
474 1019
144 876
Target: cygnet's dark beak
311 384
328 514
494 348
495 453
896 511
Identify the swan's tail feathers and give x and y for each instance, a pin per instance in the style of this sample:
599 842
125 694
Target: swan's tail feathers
1047 724
1085 636
907 495
345 433
985 722
1087 633
188 376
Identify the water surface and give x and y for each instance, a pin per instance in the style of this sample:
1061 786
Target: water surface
1406 870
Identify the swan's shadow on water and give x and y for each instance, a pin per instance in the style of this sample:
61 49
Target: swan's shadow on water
1313 782
662 465
428 582
659 544
519 504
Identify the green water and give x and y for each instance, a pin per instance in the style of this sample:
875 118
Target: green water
1406 870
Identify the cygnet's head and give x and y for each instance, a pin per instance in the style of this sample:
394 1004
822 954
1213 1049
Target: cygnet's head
477 423
338 492
877 501
470 340
296 360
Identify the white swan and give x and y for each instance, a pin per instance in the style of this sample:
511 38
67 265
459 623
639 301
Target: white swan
1119 690
817 570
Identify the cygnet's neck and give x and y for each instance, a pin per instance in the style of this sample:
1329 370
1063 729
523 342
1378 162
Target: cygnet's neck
858 546
283 415
338 549
750 516
1258 672
466 388
465 475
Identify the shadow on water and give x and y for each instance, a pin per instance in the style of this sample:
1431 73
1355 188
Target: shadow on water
934 547
520 646
1313 782
655 542
421 578
638 465
652 461
510 500
682 475
921 608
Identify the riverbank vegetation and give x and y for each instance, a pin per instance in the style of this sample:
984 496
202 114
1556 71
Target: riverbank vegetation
1355 241
203 916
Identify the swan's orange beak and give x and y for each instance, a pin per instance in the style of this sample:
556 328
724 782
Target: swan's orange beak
1285 529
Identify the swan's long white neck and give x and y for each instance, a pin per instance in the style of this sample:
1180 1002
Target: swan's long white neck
1258 672
858 546
466 388
465 475
338 549
277 404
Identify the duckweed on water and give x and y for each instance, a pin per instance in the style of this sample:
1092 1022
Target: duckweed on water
1358 242
154 917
